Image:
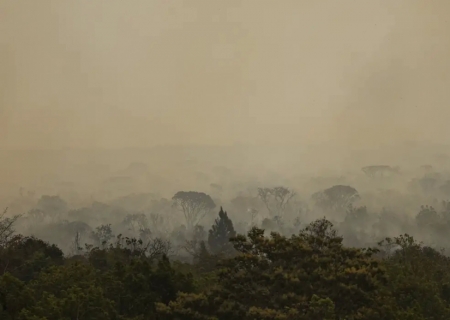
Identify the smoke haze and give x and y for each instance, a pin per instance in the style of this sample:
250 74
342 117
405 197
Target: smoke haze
112 74
331 84
122 104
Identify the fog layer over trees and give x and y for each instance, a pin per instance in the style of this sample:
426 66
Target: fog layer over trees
218 160
222 243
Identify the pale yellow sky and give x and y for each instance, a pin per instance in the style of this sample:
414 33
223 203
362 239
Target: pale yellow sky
139 73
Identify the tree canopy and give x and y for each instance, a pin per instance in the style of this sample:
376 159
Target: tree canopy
220 234
337 198
194 205
309 275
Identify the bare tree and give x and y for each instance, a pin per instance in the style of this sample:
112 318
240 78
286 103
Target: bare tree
264 194
194 205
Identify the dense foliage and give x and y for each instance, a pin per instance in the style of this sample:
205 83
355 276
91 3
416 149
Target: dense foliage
309 275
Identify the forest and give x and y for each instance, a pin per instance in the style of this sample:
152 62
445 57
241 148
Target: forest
370 244
224 160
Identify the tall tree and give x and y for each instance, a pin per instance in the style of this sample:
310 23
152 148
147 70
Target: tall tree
220 234
275 199
194 205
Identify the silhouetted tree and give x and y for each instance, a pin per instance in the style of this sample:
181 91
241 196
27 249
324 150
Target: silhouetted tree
275 199
195 205
337 198
102 235
220 234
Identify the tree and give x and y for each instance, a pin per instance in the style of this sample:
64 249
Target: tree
26 257
6 227
158 223
273 224
220 234
77 226
427 216
136 222
52 206
307 276
14 296
102 234
276 199
337 198
195 245
419 278
69 292
195 206
357 225
35 215
380 171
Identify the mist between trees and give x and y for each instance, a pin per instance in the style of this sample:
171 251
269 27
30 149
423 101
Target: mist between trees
369 245
224 160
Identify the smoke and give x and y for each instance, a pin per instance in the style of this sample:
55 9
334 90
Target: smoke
399 95
113 74
306 92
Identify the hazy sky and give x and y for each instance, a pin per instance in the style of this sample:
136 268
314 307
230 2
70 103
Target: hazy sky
110 73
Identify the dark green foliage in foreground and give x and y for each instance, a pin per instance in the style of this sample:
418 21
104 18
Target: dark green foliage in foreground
310 275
